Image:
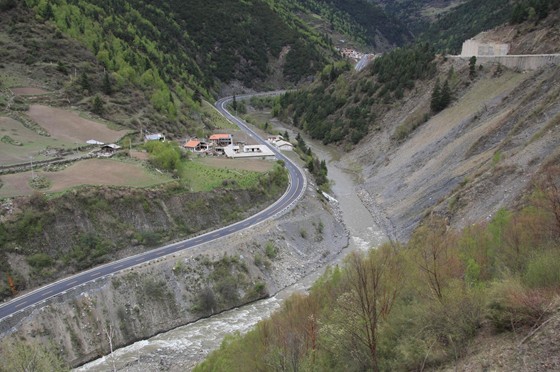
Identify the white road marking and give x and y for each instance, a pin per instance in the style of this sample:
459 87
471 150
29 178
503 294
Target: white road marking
21 304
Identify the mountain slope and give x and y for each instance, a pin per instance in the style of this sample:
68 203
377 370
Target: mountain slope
357 20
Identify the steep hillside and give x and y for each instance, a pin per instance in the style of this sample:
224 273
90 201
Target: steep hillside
468 19
417 14
342 107
356 20
464 162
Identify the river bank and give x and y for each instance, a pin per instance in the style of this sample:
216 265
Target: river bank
183 347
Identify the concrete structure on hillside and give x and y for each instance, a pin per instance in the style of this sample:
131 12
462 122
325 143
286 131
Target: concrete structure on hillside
477 48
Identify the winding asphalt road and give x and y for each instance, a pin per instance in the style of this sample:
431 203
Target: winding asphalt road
294 191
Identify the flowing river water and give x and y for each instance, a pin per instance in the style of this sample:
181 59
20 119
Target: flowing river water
181 348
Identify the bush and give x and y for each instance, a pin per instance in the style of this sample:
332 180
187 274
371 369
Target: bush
514 306
39 260
270 250
543 271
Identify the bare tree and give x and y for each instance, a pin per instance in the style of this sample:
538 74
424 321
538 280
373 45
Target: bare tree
374 280
432 257
549 188
109 333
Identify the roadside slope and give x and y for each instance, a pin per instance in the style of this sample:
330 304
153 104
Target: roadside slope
471 159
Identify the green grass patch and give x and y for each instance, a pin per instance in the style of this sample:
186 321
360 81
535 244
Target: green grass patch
210 115
202 177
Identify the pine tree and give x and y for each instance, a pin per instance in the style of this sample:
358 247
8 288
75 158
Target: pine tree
234 103
84 82
107 86
472 67
436 97
197 97
445 98
97 106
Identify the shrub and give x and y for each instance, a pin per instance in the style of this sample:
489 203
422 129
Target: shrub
39 260
270 250
543 271
514 306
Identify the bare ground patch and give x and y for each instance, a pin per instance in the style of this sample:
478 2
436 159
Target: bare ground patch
28 91
69 126
32 143
88 172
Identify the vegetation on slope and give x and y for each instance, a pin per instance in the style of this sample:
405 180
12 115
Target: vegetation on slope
358 20
83 228
450 31
167 42
342 106
407 307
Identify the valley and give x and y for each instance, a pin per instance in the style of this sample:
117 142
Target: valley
410 219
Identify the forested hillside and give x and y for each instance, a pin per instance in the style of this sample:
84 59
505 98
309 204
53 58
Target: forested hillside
341 106
358 20
449 31
150 64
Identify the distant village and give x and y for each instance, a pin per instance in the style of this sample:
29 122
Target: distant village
218 144
223 144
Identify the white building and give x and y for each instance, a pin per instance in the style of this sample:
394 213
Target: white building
284 145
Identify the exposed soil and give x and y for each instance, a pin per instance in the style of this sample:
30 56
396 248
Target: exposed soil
28 91
468 161
87 172
33 144
69 126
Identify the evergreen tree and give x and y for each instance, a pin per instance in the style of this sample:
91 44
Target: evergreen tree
445 98
47 12
436 97
84 82
197 97
286 136
472 67
98 106
234 103
107 86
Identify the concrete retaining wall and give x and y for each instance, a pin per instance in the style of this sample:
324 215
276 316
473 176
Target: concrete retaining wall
517 62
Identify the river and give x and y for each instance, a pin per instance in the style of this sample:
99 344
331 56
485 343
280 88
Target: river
181 348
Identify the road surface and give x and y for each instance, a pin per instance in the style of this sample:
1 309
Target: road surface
294 191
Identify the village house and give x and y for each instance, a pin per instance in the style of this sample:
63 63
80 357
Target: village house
108 150
275 138
284 145
221 140
154 137
196 145
279 143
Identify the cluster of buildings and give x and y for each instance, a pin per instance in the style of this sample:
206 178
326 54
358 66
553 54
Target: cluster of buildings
351 54
216 144
223 144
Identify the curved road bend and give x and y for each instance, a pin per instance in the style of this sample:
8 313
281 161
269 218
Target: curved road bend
294 191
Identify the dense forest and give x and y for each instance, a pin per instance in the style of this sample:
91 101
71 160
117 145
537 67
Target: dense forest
465 21
417 305
341 107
